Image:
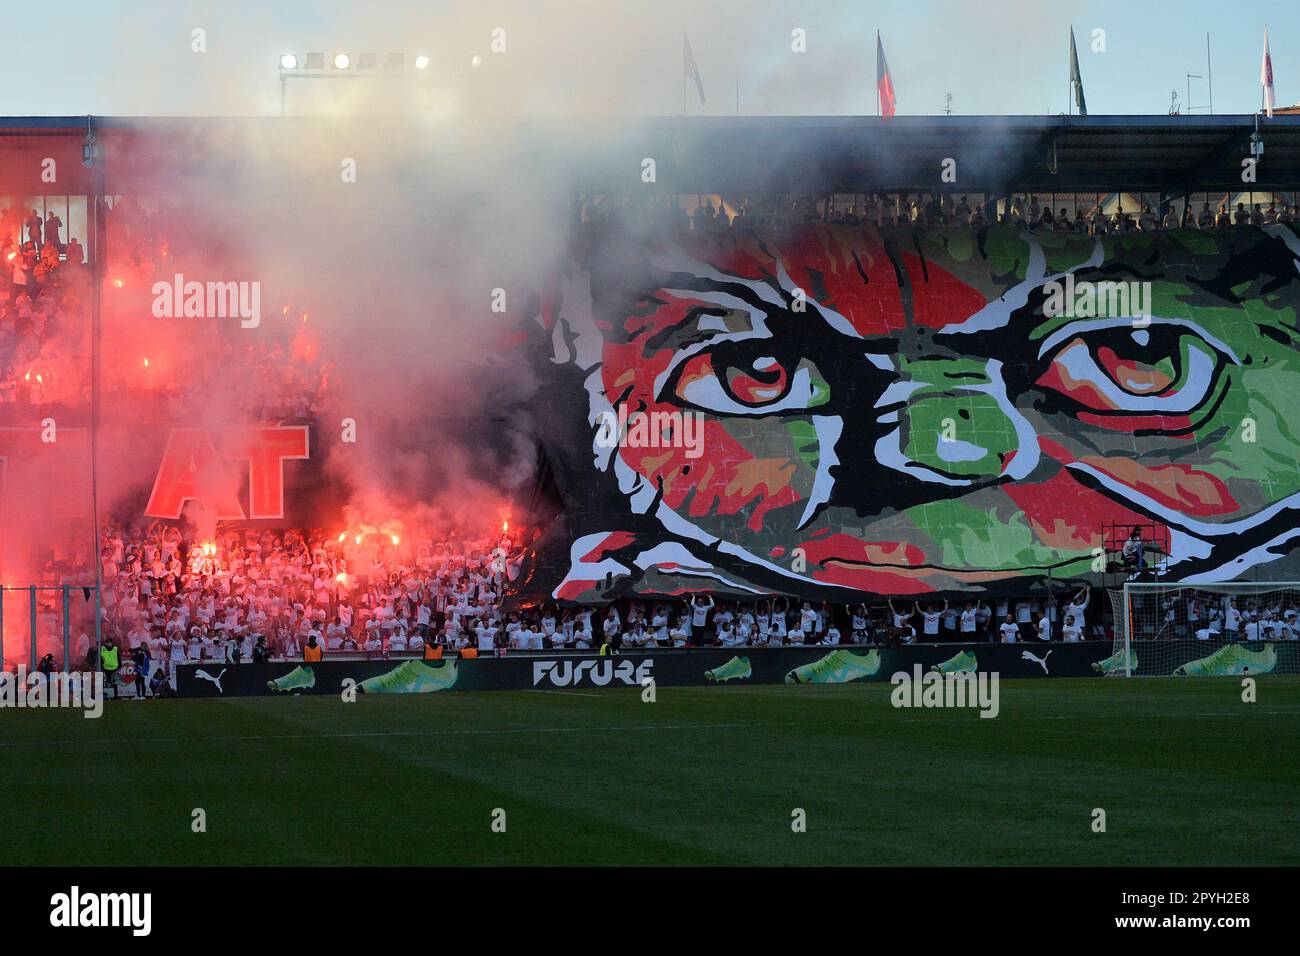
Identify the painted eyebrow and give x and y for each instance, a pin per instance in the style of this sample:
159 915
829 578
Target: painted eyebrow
685 331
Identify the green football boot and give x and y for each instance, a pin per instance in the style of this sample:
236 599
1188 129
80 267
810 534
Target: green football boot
1231 660
300 678
412 677
963 662
837 667
735 669
1115 664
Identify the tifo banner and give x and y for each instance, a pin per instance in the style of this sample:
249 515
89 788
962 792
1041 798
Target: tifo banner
746 665
840 409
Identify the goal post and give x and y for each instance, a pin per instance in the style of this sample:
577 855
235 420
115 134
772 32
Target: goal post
1231 629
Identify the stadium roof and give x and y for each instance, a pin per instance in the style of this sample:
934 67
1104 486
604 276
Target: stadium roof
1173 154
1062 154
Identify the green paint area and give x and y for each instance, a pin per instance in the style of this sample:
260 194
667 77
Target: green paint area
1187 774
804 435
974 537
958 434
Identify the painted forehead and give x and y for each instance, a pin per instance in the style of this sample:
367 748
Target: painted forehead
854 281
862 283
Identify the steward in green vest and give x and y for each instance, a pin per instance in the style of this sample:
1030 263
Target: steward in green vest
109 663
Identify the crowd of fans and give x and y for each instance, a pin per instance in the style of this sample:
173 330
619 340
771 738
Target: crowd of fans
43 314
1203 617
703 621
45 330
912 210
257 596
264 595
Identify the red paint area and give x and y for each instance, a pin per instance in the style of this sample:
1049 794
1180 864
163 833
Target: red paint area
1123 370
614 541
1065 515
1180 487
1085 393
941 298
829 265
762 386
865 573
1133 423
574 590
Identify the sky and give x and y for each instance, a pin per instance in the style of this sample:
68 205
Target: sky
623 57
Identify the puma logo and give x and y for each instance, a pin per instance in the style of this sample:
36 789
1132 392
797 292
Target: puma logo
199 672
1040 661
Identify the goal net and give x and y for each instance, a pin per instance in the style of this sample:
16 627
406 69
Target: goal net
1210 630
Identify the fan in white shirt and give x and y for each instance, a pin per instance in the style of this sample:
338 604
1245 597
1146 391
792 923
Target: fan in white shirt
931 619
1079 603
700 611
777 629
901 620
1010 632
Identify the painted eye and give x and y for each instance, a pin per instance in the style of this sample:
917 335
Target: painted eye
731 380
765 381
1160 369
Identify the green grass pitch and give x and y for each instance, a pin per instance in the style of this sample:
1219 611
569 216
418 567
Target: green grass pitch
1187 773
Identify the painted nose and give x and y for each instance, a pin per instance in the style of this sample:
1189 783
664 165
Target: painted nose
958 426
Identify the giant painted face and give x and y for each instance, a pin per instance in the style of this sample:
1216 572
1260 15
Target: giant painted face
906 413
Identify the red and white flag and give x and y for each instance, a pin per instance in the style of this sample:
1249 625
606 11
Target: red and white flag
1266 77
884 82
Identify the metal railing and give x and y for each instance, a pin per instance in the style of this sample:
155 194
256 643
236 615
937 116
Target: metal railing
32 593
